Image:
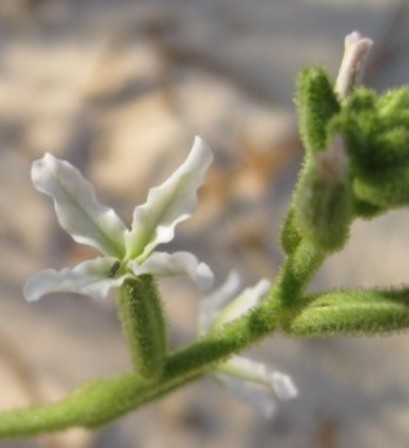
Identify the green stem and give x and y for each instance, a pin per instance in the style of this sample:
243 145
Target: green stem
104 400
296 272
92 405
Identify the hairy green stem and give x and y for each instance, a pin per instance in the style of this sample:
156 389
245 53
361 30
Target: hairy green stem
296 272
104 400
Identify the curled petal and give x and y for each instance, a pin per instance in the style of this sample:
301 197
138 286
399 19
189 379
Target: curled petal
242 304
93 278
163 264
210 305
251 393
283 386
78 211
168 204
256 372
255 383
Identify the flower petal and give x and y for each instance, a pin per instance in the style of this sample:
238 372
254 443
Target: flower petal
256 372
78 211
251 393
93 278
179 263
256 383
242 304
283 386
246 369
210 306
168 204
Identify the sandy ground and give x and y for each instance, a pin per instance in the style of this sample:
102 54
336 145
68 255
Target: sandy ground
120 88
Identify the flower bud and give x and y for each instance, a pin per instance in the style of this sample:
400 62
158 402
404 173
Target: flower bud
323 200
356 51
290 236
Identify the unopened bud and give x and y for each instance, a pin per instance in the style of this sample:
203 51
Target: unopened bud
290 235
356 51
323 199
331 165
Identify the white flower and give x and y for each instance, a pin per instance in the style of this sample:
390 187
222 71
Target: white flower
126 253
250 381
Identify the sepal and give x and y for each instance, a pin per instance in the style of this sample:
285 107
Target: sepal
317 104
323 198
143 322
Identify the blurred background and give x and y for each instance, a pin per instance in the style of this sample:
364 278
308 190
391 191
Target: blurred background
120 88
